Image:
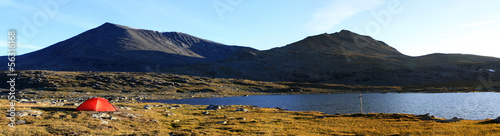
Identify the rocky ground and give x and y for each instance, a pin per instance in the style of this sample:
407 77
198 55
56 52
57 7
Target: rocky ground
174 119
46 103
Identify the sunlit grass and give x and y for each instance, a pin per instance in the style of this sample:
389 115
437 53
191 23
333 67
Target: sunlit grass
259 121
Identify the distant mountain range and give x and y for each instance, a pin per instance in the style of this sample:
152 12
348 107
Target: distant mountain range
343 57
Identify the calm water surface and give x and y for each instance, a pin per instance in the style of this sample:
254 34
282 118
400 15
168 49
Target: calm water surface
475 106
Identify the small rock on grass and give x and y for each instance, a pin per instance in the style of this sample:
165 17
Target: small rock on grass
104 122
222 122
171 114
114 118
205 113
101 115
126 108
20 122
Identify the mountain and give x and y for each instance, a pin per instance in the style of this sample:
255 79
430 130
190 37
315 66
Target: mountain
343 57
112 47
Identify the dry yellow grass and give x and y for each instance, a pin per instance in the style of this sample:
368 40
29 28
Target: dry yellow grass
189 120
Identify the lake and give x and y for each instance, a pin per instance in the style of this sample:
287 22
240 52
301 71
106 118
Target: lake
473 106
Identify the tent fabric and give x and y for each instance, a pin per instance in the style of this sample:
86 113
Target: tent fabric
96 104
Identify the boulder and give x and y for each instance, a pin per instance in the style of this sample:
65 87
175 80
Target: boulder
497 120
242 109
147 107
205 113
454 119
214 107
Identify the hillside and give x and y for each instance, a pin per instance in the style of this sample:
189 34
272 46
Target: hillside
343 58
112 47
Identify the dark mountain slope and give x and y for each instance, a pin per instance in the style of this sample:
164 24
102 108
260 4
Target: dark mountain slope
343 57
112 47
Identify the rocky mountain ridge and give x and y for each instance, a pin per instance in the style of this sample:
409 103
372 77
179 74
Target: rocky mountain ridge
343 57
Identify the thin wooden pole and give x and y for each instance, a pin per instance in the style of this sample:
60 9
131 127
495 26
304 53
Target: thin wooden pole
361 103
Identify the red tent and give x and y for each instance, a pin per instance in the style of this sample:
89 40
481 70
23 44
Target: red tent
96 104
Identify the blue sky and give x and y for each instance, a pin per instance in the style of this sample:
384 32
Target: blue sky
413 27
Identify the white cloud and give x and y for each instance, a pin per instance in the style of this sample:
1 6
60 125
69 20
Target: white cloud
338 11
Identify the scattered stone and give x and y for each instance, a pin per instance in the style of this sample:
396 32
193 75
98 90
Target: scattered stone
454 119
172 108
58 104
205 113
24 100
35 112
214 107
222 122
73 133
280 109
72 104
104 122
177 106
130 115
147 107
156 121
242 118
242 109
20 122
114 118
101 115
21 113
321 117
245 95
176 120
171 114
126 108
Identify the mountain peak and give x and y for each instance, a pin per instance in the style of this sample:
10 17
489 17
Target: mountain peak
109 25
342 42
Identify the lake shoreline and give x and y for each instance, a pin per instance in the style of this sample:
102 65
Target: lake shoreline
185 119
